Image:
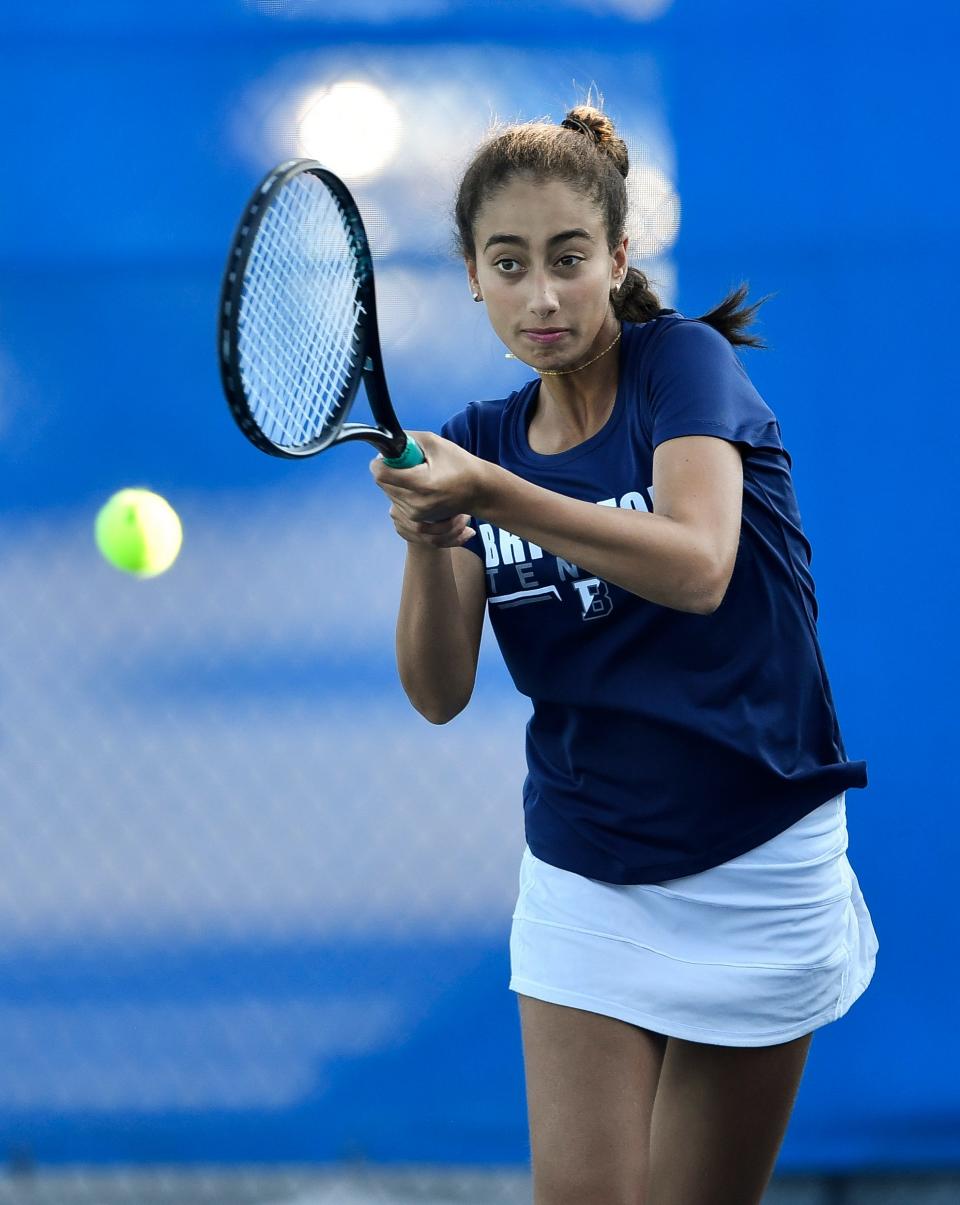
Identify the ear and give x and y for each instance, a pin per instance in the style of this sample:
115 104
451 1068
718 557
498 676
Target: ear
471 267
620 260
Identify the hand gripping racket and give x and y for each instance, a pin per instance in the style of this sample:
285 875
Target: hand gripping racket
297 329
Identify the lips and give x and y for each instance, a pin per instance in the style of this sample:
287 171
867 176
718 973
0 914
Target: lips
539 335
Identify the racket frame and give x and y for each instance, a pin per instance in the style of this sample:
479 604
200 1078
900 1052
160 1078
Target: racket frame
388 436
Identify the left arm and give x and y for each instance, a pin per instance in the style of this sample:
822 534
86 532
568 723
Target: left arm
680 556
650 555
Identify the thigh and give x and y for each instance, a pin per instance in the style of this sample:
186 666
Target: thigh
719 1119
591 1081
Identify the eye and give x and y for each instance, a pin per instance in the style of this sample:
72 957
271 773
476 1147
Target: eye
509 272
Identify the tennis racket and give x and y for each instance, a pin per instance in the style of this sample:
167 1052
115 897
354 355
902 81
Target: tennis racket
298 321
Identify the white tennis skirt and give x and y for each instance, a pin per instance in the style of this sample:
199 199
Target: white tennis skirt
759 950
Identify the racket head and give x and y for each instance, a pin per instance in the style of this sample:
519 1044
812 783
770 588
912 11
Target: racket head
297 319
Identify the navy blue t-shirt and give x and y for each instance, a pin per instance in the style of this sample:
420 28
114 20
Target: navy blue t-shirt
662 743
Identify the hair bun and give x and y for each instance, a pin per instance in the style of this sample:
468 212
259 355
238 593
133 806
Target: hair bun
574 123
585 119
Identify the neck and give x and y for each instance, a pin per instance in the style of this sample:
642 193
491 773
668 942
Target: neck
569 408
588 390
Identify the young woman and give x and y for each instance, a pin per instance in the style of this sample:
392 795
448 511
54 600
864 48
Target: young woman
687 915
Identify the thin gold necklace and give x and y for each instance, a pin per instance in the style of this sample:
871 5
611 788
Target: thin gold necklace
560 372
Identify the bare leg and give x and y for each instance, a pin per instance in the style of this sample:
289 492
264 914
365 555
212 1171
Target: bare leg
719 1119
591 1081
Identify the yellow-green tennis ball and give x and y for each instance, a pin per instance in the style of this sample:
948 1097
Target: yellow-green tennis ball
138 532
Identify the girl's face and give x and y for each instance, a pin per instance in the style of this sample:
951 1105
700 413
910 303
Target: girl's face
542 263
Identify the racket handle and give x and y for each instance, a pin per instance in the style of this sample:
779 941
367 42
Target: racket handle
408 458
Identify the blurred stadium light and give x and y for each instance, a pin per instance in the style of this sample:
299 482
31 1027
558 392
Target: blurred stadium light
351 127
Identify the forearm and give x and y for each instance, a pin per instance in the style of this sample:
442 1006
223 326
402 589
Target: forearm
651 555
435 659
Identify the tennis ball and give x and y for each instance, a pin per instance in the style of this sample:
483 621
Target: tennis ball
138 532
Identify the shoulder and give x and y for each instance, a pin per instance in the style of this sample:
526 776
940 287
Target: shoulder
682 349
676 334
670 335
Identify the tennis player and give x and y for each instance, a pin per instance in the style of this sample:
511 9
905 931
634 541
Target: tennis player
687 915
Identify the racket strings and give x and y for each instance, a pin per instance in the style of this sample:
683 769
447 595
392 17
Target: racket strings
299 308
294 397
302 249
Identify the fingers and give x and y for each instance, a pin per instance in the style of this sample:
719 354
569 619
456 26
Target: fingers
442 527
397 478
415 505
444 533
447 530
429 492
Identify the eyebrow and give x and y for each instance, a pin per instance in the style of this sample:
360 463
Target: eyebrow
522 242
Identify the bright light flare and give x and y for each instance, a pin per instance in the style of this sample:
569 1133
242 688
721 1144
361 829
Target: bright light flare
351 127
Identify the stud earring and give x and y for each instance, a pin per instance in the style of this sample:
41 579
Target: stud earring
477 297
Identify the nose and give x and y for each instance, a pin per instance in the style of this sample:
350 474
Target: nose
543 298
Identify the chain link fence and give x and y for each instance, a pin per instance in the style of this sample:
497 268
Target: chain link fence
220 813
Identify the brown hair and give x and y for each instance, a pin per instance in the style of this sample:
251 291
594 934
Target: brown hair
585 153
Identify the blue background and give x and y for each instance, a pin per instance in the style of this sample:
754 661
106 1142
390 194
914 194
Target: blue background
252 908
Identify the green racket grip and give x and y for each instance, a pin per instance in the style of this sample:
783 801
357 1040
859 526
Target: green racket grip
409 458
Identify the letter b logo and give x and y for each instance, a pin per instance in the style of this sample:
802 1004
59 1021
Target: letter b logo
594 597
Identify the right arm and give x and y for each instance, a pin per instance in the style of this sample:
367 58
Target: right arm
440 622
444 596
